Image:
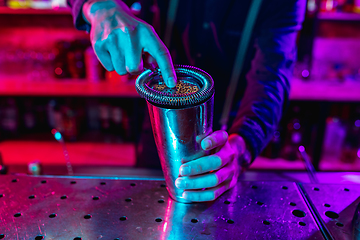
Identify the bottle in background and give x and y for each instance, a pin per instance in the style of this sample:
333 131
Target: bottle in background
93 114
10 118
104 109
75 58
350 151
272 150
293 137
29 117
94 70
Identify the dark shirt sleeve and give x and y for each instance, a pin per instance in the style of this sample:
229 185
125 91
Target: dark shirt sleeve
268 81
76 10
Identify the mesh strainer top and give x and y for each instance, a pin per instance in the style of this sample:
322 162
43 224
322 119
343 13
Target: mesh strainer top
194 86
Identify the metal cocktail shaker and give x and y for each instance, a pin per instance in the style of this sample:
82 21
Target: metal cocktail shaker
180 118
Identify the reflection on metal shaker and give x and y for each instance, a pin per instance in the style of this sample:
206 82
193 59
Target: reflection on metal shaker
180 117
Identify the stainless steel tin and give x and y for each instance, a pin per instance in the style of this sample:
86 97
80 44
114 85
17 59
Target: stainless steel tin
180 119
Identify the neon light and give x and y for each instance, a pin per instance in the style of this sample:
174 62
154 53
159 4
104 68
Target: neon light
302 149
57 136
165 226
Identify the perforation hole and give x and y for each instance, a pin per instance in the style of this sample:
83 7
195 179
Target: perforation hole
123 218
103 183
133 184
96 198
299 213
39 237
326 205
63 197
161 201
43 181
292 204
14 180
346 189
227 202
162 185
17 214
259 203
77 238
194 220
87 216
158 220
230 221
2 236
339 224
316 189
31 196
302 224
254 187
73 182
1 195
285 187
332 214
266 222
128 200
52 215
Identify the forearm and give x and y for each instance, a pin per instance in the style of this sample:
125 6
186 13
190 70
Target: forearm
267 91
260 113
268 81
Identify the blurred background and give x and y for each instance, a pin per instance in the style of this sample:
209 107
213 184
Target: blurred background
51 78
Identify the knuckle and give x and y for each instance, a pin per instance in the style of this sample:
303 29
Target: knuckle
108 67
163 51
111 38
212 196
225 135
147 27
216 180
133 69
122 73
232 155
217 161
198 168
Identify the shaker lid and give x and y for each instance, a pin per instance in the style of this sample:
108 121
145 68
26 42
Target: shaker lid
194 86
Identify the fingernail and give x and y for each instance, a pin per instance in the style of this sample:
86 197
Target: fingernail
185 195
171 82
206 144
180 183
185 170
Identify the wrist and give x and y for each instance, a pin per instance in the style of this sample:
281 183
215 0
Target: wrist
92 7
242 150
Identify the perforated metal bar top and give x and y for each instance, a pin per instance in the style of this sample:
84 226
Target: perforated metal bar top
103 208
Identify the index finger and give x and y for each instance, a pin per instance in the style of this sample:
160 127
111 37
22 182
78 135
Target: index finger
162 56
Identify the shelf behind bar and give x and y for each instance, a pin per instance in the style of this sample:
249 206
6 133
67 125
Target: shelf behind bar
67 87
32 11
300 89
322 90
339 16
263 163
80 153
335 164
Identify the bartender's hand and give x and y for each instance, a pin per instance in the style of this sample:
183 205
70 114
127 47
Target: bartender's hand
206 178
119 39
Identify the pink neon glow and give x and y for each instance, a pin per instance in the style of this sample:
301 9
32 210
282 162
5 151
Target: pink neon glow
301 148
167 215
165 226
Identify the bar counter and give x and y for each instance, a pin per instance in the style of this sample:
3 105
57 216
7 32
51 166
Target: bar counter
59 207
